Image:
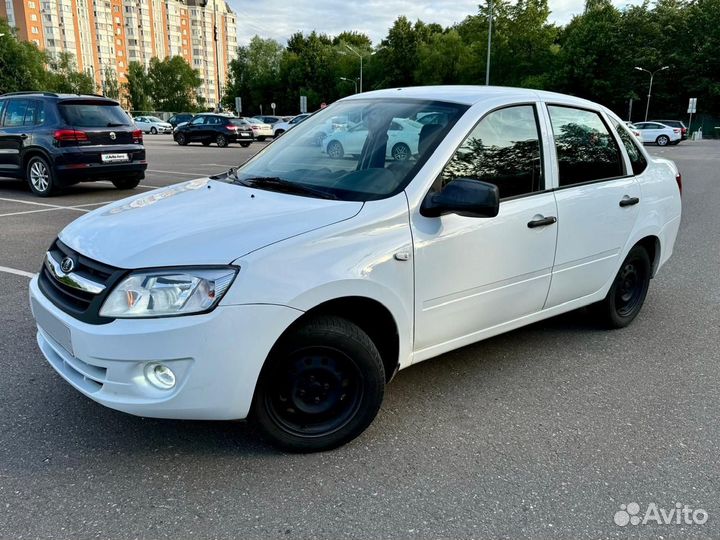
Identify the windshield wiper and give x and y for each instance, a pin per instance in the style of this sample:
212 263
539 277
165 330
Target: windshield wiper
114 124
275 183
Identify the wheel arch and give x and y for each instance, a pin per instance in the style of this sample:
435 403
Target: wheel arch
651 243
32 152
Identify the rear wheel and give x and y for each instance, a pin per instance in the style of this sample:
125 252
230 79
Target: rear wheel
401 152
126 183
181 139
335 150
279 132
627 294
662 140
322 386
221 141
40 176
206 143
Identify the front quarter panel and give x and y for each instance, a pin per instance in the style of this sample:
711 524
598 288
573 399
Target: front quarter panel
355 257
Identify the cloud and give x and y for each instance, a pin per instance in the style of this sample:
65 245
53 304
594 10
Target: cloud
279 19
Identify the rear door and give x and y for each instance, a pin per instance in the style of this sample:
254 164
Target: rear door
16 127
598 201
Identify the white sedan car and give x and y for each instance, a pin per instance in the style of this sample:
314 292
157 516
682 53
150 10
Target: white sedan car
655 132
403 137
261 130
292 288
152 124
281 127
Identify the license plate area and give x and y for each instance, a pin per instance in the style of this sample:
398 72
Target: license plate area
53 327
115 158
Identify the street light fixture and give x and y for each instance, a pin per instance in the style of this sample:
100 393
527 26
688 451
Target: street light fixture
352 81
652 76
361 63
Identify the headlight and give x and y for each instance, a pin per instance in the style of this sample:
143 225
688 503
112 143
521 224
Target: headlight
164 293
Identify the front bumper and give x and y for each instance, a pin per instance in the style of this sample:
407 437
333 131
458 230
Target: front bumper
216 357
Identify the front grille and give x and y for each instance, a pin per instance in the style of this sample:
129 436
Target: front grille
80 304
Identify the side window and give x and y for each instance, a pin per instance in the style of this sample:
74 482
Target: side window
503 149
15 114
197 121
637 159
2 109
585 149
33 113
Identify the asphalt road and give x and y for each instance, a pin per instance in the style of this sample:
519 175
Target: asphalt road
543 432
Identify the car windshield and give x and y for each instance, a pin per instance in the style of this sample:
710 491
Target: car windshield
254 121
93 114
153 119
237 122
360 149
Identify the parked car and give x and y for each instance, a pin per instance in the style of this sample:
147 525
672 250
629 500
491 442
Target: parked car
261 130
675 124
56 140
268 119
291 289
660 134
403 137
152 124
281 127
214 128
180 118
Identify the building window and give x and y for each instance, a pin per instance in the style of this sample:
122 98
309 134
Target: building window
35 30
31 5
121 64
33 17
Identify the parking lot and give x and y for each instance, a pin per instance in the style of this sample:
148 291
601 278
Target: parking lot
543 432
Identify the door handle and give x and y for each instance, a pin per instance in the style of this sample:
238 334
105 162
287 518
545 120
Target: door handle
629 201
542 222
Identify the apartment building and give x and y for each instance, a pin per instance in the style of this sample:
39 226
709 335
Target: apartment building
107 35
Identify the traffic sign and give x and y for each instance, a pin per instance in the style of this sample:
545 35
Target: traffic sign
692 105
238 105
303 104
272 106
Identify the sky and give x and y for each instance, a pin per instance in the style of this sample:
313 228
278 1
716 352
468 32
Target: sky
279 19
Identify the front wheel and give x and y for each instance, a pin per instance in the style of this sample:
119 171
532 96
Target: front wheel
321 387
153 130
401 152
335 150
279 132
40 176
662 140
181 139
627 293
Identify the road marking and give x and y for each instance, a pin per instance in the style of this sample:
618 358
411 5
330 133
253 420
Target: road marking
38 211
16 272
32 202
139 185
175 172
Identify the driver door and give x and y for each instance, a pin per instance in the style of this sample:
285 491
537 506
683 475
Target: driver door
196 129
473 274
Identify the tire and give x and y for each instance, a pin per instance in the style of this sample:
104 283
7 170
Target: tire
335 150
181 139
244 144
279 132
321 387
40 176
126 183
261 138
206 143
153 130
318 138
662 140
627 294
221 141
401 152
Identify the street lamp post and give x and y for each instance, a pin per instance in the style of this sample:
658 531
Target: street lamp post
352 81
361 64
487 63
652 76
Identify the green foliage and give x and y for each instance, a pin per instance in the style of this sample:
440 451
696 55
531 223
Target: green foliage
111 87
64 77
137 87
172 84
22 64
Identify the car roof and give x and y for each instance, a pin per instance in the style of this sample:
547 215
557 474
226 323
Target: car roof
470 95
58 96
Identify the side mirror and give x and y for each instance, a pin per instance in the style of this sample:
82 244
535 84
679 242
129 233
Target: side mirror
463 196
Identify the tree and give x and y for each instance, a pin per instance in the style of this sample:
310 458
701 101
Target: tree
253 75
22 64
111 88
65 78
173 84
137 87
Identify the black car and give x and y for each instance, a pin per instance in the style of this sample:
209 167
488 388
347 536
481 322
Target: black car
675 124
56 140
214 128
180 118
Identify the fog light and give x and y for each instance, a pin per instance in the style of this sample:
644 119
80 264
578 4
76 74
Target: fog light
160 376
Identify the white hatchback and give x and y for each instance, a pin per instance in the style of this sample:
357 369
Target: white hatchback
293 288
655 132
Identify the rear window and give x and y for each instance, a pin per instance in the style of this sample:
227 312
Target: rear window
236 122
94 114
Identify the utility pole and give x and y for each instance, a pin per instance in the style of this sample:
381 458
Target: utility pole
361 64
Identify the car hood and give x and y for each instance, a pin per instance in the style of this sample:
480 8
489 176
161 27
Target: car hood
203 221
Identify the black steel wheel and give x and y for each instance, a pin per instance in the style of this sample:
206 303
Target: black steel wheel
628 291
321 387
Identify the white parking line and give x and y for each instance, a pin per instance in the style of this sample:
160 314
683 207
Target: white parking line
139 185
41 210
32 202
16 272
175 172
